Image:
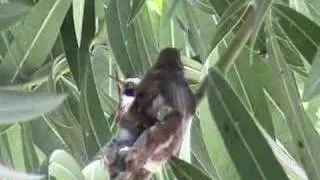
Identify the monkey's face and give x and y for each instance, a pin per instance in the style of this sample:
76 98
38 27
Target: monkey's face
129 85
128 92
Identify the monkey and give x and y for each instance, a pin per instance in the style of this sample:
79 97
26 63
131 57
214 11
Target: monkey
163 89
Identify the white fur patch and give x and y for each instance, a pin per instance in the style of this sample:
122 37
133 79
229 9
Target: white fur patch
126 102
158 109
133 80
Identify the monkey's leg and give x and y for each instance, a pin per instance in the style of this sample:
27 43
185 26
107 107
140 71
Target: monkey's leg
152 140
110 151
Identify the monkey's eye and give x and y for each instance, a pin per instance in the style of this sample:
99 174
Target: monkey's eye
129 92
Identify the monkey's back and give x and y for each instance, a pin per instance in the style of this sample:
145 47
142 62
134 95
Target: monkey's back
180 95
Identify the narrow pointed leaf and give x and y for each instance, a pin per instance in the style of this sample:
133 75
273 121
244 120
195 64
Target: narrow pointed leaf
78 9
284 90
246 145
122 38
22 106
91 114
63 166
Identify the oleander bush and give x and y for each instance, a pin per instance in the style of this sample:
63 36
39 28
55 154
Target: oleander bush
259 119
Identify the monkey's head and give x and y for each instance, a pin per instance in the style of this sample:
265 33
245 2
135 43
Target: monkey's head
129 85
169 59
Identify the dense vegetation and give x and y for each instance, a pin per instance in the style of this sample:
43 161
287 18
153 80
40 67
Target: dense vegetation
259 120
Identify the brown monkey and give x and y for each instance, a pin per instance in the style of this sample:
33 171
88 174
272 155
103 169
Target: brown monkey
163 89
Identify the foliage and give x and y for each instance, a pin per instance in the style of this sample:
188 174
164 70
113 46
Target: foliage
260 116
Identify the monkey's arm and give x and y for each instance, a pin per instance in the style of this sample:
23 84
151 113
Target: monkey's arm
201 90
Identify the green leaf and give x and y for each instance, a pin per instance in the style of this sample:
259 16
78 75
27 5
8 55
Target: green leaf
203 5
45 135
7 173
135 10
199 28
219 6
200 151
61 128
122 38
63 166
251 74
31 159
292 168
78 10
103 66
246 145
262 10
22 106
145 38
228 22
71 48
11 13
33 40
312 86
95 170
218 154
184 170
12 142
92 117
303 32
284 91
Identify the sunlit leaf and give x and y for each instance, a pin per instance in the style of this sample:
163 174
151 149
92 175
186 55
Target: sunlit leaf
22 106
95 170
63 166
78 10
